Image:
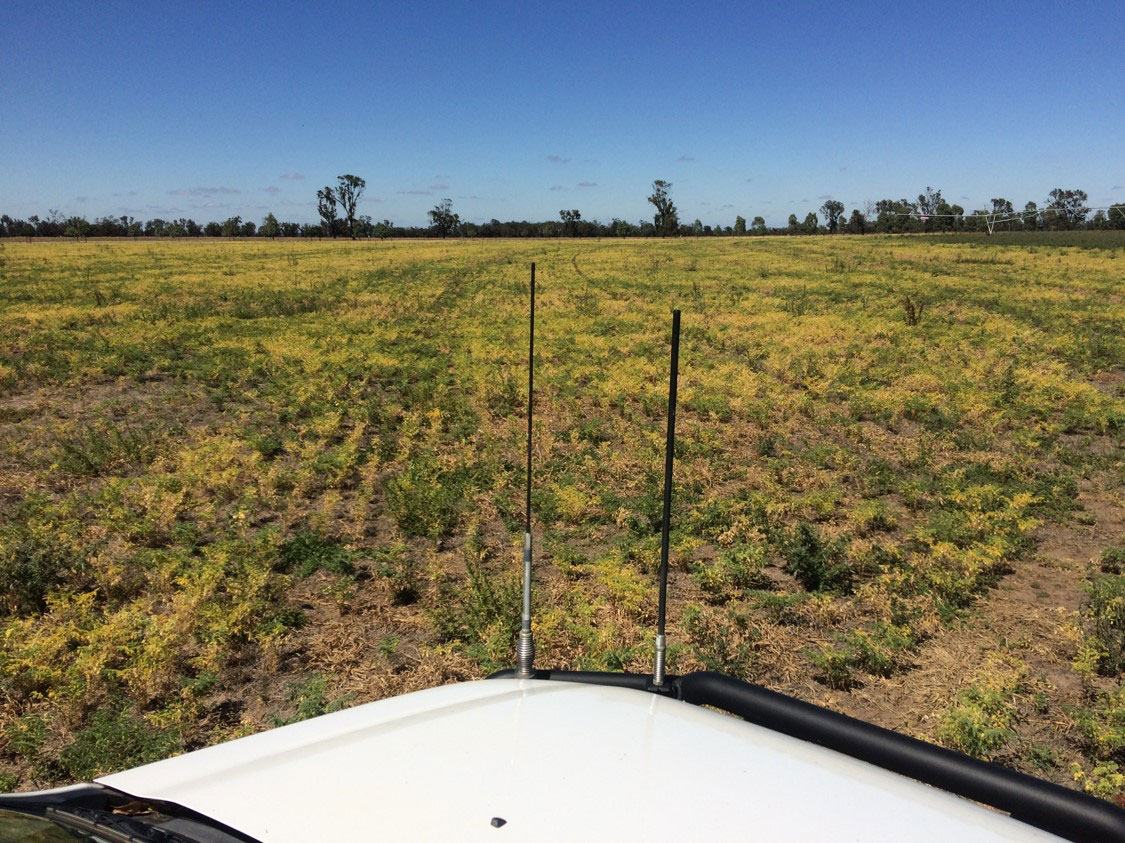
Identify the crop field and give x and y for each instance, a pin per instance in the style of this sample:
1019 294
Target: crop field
248 482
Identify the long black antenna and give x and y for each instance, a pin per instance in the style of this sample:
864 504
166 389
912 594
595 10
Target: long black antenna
525 647
669 452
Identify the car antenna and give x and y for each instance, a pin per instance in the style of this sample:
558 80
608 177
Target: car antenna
525 647
669 451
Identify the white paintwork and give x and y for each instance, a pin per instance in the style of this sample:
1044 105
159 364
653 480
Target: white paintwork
558 761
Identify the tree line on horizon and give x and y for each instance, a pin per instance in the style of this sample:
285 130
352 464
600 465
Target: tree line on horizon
337 207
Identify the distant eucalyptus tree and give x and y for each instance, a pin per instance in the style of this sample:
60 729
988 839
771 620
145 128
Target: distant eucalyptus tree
570 220
348 193
667 219
833 210
270 226
326 207
443 219
1068 207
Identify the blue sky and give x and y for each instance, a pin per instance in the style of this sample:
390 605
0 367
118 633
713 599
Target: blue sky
515 110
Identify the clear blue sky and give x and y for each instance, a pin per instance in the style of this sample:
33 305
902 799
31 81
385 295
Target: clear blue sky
515 110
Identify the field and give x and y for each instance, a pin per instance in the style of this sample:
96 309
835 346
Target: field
244 483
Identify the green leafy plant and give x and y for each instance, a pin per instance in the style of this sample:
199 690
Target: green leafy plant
310 551
1103 616
817 565
401 570
722 639
104 446
732 572
425 498
835 667
114 740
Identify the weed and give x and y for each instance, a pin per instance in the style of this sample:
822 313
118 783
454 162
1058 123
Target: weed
871 517
480 614
1102 726
735 570
881 651
1103 649
310 551
114 740
722 639
1113 560
796 302
1104 780
835 667
816 564
310 699
104 446
912 310
269 445
781 607
34 559
388 645
980 723
398 566
425 498
26 736
766 445
1043 757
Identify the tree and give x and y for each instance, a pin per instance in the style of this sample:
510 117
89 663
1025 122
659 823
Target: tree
270 227
348 193
1115 218
833 210
895 215
326 207
857 224
928 204
1069 207
1002 208
232 226
621 228
443 219
977 221
570 221
957 221
792 226
758 225
810 225
697 228
667 219
382 229
77 227
1030 216
739 226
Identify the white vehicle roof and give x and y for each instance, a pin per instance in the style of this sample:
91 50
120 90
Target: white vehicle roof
554 761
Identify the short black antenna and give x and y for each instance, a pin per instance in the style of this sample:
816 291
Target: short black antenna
525 647
669 451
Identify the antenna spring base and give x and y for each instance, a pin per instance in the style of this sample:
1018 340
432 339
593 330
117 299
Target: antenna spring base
525 655
658 668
